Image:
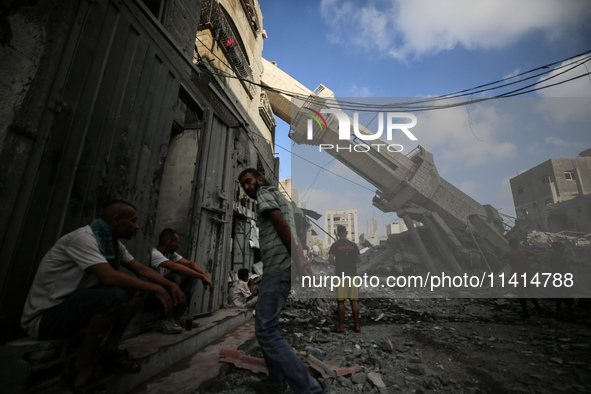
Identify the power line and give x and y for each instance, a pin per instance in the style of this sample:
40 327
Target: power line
311 162
330 172
415 105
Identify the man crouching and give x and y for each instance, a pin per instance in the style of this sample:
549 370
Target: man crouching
79 285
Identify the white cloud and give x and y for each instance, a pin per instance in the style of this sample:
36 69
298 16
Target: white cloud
370 24
407 28
359 91
513 73
580 87
551 140
471 135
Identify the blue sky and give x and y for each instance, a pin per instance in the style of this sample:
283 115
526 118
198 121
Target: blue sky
422 48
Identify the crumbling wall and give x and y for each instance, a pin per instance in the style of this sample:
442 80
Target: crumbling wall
181 21
34 34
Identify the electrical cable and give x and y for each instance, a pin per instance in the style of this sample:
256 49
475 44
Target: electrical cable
415 105
412 105
314 164
330 172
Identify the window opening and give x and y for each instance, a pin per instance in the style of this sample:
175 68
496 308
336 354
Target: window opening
156 7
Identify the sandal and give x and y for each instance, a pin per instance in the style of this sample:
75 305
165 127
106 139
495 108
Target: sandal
118 361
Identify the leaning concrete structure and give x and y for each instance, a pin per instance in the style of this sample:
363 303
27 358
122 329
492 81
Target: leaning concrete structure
400 179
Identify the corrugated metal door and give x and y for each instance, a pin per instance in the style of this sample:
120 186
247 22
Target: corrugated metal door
104 135
211 236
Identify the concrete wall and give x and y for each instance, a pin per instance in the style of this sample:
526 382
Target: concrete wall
286 187
536 190
572 215
177 185
180 21
37 36
94 98
396 228
252 39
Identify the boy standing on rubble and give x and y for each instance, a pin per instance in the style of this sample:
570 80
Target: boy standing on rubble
344 255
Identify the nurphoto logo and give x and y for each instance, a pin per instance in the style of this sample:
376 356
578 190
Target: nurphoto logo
344 129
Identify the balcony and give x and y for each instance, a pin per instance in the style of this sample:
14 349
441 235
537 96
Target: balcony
223 31
266 112
251 14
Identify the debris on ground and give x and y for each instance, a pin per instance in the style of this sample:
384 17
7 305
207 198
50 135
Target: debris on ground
436 345
411 342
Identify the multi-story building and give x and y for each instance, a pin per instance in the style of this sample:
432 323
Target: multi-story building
373 227
555 195
147 101
347 218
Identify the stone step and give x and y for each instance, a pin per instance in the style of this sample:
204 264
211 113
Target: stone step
34 366
157 352
203 366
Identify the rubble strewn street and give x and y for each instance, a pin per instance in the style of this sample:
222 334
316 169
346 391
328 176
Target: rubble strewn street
437 345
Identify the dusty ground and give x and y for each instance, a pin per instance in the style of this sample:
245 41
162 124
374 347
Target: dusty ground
439 345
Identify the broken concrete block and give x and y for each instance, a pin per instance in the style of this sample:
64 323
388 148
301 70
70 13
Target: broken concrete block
416 369
359 378
376 379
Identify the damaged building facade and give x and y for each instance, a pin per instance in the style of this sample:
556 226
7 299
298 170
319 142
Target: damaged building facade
555 195
147 101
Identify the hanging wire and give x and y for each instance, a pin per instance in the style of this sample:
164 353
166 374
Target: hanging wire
570 64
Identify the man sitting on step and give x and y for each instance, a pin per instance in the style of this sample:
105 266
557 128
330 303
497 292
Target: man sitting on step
181 271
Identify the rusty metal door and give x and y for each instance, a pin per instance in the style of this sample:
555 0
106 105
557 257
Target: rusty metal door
104 135
212 218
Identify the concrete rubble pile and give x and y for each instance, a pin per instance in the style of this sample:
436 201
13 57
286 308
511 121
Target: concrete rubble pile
435 345
431 249
579 244
472 252
400 255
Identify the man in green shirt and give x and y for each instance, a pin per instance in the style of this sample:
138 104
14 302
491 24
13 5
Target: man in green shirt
279 244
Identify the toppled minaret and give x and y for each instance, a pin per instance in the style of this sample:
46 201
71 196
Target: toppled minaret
401 179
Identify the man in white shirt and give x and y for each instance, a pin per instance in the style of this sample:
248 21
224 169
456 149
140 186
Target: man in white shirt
79 285
179 270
